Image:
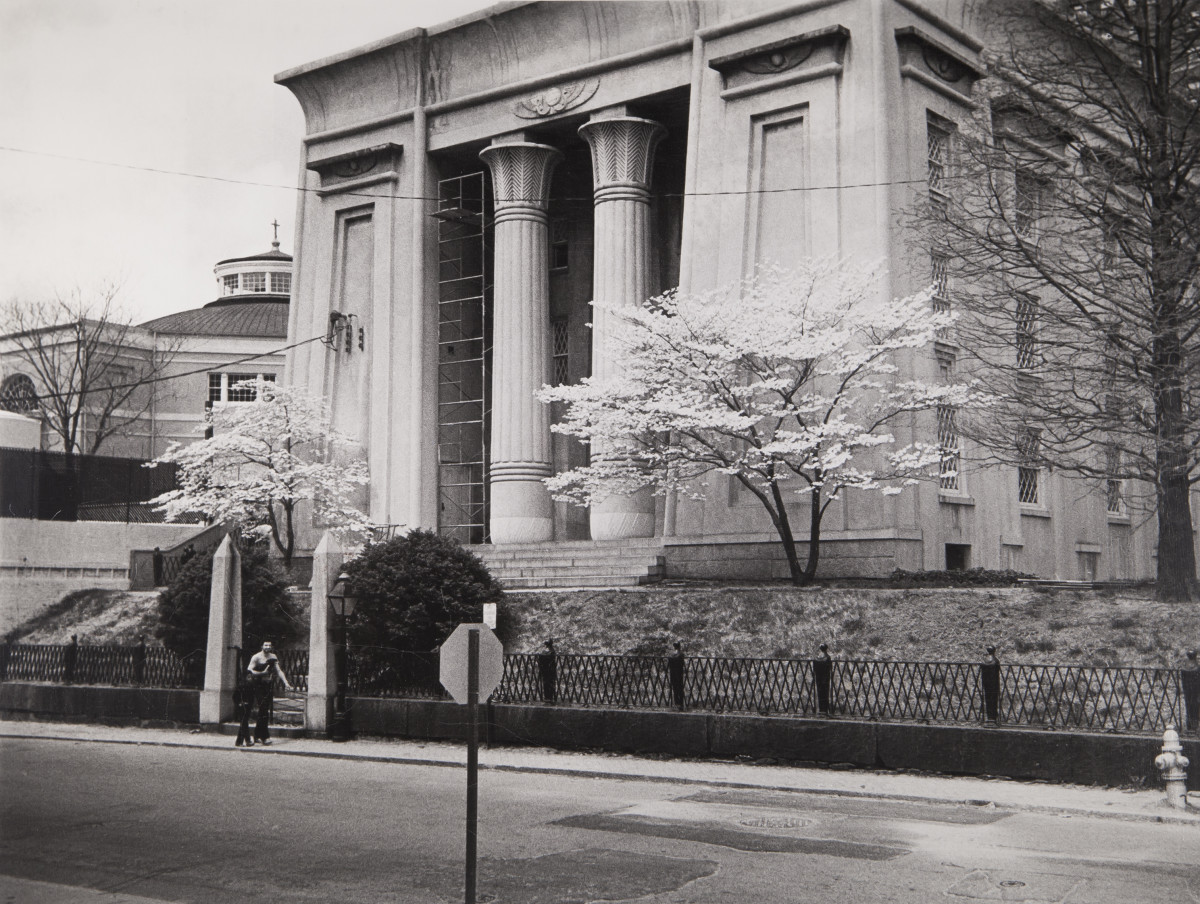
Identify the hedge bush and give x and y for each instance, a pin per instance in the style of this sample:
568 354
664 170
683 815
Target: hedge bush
266 607
413 591
973 577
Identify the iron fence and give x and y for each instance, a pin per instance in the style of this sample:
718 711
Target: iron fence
54 486
1058 697
80 663
1079 698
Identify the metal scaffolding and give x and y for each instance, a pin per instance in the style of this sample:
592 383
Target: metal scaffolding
464 357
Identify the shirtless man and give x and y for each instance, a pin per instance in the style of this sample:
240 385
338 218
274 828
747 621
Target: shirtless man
260 675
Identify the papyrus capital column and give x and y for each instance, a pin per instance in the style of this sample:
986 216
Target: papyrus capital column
622 158
521 510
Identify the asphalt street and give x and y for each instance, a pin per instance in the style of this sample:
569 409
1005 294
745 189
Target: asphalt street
90 822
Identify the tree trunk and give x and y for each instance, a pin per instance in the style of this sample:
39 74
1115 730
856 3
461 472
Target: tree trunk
814 537
783 527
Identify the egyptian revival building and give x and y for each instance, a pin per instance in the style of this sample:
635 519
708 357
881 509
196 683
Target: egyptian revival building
471 188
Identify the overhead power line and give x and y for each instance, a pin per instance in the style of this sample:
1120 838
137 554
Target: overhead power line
107 387
398 197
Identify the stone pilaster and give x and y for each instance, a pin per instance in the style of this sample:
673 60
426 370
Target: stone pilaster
622 157
521 509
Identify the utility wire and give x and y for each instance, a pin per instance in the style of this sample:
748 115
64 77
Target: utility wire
190 373
394 197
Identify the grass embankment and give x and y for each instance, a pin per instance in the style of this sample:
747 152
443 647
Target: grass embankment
1030 625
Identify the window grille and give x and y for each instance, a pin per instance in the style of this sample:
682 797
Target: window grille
1027 203
254 282
281 283
1028 472
1114 486
948 444
232 392
939 267
17 394
937 133
231 284
560 348
1026 339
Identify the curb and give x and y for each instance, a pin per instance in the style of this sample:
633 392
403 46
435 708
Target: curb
1192 818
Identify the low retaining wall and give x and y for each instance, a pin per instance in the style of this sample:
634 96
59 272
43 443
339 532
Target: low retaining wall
89 703
1059 756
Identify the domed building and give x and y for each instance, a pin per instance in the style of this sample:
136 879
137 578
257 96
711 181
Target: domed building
235 337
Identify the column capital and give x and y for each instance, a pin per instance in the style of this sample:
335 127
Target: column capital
622 152
520 176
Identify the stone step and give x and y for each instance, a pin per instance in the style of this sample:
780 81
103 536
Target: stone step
578 563
575 582
588 570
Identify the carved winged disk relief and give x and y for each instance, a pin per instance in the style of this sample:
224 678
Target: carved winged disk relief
556 99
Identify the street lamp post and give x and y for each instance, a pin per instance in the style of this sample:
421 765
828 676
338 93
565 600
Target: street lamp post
342 603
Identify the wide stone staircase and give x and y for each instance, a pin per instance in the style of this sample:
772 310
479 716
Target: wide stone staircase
585 563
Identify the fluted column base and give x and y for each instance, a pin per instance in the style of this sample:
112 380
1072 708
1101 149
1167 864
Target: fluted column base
623 517
522 511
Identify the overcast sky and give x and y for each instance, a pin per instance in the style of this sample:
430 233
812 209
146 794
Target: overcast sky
184 86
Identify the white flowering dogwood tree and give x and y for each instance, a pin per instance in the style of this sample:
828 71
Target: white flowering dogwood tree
788 381
261 460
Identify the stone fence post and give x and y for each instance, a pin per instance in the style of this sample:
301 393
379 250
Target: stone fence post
322 674
224 635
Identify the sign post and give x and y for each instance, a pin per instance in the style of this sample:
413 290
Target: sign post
472 761
470 667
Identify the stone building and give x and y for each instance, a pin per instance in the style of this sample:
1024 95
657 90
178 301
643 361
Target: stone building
237 336
470 188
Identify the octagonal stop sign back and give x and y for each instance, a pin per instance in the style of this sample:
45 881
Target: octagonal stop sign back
453 662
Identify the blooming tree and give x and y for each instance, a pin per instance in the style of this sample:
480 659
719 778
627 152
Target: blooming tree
261 460
788 381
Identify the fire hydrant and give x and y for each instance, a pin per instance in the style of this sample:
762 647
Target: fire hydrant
1173 766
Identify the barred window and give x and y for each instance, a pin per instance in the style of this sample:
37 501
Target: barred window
281 283
939 266
231 283
254 282
1028 471
1114 486
560 348
948 445
938 132
1028 198
17 394
233 392
1026 338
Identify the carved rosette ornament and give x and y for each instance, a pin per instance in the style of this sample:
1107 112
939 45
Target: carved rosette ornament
943 65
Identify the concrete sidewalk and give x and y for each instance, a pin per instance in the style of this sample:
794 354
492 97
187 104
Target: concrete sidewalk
1068 800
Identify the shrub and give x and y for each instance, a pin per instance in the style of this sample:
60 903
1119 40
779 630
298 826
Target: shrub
266 607
413 591
974 577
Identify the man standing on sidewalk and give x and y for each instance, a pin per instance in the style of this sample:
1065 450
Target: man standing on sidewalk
260 677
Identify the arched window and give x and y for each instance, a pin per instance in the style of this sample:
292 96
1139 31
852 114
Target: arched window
17 394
